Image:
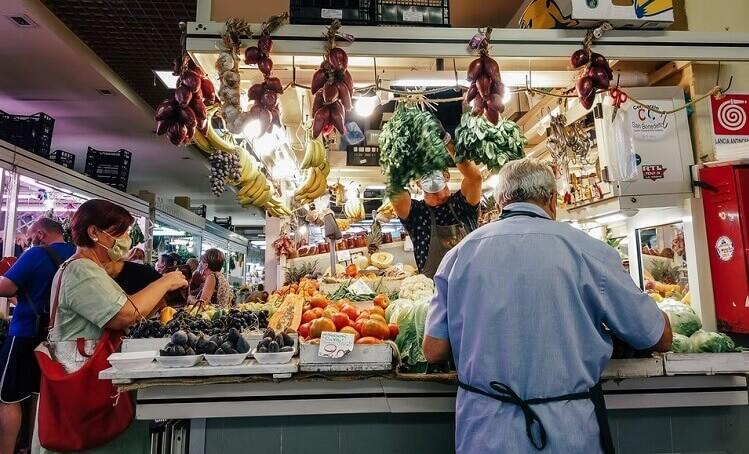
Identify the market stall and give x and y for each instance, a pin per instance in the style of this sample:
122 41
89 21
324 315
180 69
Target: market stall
340 327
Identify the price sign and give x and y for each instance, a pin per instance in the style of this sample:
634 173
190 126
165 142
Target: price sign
335 345
343 256
358 287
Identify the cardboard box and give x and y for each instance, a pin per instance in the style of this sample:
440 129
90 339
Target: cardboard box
622 14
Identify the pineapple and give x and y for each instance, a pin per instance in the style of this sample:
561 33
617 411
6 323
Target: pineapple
294 274
374 237
663 272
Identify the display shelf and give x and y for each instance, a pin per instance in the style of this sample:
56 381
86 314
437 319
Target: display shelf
634 368
382 247
706 363
155 371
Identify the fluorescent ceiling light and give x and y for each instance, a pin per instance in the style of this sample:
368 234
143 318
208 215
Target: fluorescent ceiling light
166 231
610 218
167 78
257 243
539 79
39 209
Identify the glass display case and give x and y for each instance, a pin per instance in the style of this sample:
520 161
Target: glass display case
663 260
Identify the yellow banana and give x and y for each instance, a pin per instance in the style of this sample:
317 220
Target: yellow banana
218 142
263 199
325 168
309 152
308 184
252 187
199 140
265 189
263 184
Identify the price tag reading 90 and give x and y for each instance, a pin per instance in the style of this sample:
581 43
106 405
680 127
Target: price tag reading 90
335 345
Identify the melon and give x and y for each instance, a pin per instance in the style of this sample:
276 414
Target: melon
361 262
339 269
381 260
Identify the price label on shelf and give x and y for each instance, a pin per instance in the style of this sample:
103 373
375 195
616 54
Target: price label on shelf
413 16
343 256
335 345
331 13
358 287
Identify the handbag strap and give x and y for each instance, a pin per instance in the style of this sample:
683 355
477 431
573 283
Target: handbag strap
56 299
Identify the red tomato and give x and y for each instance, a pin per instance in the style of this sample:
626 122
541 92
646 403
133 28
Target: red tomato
341 320
350 310
369 340
394 330
308 316
303 330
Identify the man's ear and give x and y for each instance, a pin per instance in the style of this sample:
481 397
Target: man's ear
446 174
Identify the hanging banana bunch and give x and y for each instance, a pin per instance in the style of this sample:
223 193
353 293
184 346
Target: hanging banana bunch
318 169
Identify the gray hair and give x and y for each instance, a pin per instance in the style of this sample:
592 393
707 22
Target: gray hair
524 180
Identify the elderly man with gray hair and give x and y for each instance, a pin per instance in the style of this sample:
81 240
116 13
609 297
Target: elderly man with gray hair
524 304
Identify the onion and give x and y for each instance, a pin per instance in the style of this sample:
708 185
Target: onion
348 80
587 102
177 133
165 109
579 58
600 77
269 99
251 55
484 85
598 60
186 116
265 65
202 126
494 102
208 91
263 115
337 121
276 115
265 44
478 107
162 126
274 83
585 87
491 115
330 93
491 67
475 69
196 69
318 102
336 109
321 119
344 95
198 109
183 95
318 80
498 88
255 93
471 93
190 80
190 133
338 59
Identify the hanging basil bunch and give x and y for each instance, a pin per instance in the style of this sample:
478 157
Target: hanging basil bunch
410 147
478 140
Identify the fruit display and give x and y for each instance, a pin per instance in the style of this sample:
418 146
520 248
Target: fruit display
410 147
314 154
368 326
183 343
273 342
381 260
354 209
210 321
185 115
333 89
374 239
318 169
484 142
486 90
595 73
283 246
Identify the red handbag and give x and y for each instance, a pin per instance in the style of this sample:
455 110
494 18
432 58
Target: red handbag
79 411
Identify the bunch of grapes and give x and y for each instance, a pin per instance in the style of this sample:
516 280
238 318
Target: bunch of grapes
225 166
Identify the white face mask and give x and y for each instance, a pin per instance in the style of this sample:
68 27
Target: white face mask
139 262
433 183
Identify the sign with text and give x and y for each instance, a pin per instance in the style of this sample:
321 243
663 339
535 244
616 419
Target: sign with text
335 345
363 155
730 116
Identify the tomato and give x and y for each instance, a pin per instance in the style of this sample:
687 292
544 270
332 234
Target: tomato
382 301
330 311
308 316
377 310
306 307
352 270
369 340
318 311
318 301
378 317
358 325
374 328
303 330
341 320
350 330
394 331
321 325
350 310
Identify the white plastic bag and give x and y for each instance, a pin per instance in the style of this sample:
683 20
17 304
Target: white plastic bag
623 166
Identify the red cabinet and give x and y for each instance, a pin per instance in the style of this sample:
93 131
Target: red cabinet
725 192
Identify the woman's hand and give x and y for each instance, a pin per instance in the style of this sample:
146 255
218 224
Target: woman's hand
174 280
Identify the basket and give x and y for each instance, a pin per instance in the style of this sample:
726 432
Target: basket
431 13
109 167
63 158
200 210
33 133
322 12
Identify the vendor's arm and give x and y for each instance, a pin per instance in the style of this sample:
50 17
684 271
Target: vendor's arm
146 300
631 314
401 203
471 184
22 272
436 344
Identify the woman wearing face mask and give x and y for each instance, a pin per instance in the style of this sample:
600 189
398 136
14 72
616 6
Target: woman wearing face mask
89 301
215 288
441 220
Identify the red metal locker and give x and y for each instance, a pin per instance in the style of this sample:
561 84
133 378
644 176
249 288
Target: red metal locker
725 192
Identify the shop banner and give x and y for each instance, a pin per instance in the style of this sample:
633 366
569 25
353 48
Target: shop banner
730 116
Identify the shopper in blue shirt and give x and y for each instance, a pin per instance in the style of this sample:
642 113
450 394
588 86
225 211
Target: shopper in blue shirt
29 280
521 304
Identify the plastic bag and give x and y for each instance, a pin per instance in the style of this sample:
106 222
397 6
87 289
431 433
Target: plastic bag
623 165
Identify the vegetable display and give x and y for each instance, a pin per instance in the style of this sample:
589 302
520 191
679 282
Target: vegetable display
333 89
410 316
184 114
264 95
410 147
478 140
683 319
595 73
711 342
486 90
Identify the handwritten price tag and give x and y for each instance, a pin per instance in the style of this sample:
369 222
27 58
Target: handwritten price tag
335 345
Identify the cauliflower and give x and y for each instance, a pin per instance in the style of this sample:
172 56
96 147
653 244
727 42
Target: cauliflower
417 288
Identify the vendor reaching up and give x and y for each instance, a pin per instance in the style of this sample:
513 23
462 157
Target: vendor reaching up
441 220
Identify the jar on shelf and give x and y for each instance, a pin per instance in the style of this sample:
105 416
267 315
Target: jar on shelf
387 237
404 234
361 241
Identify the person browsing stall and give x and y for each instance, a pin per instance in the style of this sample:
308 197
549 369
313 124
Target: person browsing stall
441 220
521 304
29 279
215 289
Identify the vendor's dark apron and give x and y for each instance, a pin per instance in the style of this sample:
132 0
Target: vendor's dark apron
442 238
504 393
